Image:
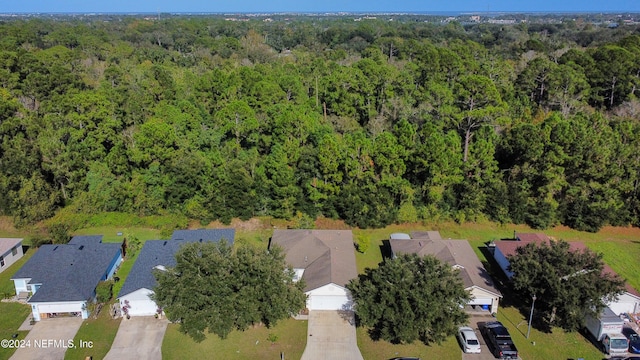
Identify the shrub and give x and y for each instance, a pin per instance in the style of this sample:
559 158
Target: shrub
133 245
104 291
59 233
363 243
38 240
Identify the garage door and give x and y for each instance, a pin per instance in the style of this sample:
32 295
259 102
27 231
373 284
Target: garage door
142 308
59 308
480 301
320 302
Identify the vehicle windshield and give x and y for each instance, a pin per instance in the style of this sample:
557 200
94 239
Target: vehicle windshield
472 342
619 344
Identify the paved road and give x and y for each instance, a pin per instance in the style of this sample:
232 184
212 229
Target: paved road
138 338
49 339
331 335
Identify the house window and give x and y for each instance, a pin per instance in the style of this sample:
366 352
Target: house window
14 251
1 261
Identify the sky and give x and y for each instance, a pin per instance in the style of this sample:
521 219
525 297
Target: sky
172 6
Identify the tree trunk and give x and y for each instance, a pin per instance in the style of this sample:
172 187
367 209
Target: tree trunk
613 88
467 140
64 192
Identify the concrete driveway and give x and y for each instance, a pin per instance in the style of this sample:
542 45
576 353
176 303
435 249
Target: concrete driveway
485 353
331 335
49 339
138 338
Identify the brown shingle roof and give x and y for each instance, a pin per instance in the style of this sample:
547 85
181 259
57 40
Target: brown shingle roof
326 255
532 237
508 247
453 252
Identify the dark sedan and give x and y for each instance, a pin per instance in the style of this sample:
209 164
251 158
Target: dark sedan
634 340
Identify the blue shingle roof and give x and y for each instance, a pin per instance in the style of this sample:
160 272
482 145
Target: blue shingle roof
68 272
162 252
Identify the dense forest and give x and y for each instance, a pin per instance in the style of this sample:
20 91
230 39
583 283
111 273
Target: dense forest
373 122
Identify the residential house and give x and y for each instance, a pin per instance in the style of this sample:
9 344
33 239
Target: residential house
62 279
485 297
325 259
134 297
627 302
10 252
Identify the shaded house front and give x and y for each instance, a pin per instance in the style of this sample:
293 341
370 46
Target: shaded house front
325 259
485 297
628 302
10 252
62 279
134 297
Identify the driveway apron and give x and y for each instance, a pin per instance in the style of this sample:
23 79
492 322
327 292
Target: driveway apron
138 338
49 339
331 335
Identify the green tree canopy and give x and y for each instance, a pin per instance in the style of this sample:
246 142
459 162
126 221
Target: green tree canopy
410 298
568 284
214 288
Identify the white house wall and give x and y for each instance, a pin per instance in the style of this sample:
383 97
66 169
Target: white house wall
9 258
481 297
20 285
502 261
139 303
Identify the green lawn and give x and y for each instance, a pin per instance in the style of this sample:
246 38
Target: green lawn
557 345
251 344
374 350
100 331
11 317
110 233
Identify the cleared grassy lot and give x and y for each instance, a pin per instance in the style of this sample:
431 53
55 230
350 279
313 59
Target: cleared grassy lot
256 343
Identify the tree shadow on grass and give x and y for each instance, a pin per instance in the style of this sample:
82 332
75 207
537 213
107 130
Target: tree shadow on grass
510 298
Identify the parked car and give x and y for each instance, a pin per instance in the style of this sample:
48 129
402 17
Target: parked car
634 340
468 340
499 340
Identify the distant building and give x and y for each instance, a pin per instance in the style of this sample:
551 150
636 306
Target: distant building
10 252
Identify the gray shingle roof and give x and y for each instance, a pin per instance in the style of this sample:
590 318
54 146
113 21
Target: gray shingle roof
68 272
162 252
326 255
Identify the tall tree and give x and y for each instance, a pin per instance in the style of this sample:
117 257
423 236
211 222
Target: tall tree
214 289
410 298
568 284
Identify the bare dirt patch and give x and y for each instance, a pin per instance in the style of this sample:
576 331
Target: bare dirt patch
253 224
331 224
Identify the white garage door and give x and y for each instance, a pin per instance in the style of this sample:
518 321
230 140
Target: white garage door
59 308
142 308
324 302
480 301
